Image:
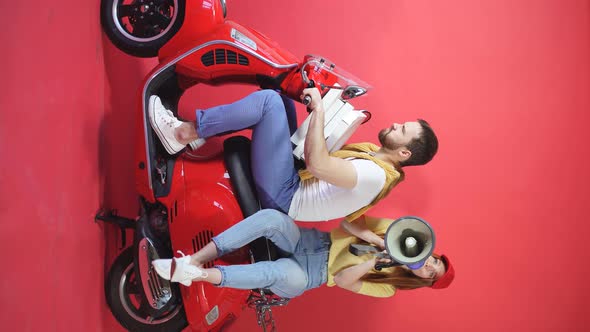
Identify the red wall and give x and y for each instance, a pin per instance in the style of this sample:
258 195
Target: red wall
504 83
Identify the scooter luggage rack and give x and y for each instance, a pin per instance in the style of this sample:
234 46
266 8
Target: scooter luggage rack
262 303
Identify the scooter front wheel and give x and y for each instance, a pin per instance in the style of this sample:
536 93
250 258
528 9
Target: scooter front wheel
141 27
124 297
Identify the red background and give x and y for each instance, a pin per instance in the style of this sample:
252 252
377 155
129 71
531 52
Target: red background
505 83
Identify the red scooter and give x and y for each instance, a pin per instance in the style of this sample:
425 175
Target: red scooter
187 198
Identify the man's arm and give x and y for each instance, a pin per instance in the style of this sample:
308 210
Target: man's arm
318 161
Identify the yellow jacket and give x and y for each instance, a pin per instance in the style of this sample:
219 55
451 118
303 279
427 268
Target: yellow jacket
393 176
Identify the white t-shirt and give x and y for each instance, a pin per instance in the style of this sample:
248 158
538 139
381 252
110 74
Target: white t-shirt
320 200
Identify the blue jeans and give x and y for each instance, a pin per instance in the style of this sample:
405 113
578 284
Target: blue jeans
273 120
303 266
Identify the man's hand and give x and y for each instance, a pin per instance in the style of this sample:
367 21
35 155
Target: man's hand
316 98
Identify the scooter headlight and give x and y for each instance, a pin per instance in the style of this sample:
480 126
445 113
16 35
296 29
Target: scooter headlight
223 7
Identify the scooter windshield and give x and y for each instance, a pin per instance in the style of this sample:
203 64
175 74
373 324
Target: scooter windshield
326 75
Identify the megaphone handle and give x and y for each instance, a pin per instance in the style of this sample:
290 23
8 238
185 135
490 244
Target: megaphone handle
380 265
361 249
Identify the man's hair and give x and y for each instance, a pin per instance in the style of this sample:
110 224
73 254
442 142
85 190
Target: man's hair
423 148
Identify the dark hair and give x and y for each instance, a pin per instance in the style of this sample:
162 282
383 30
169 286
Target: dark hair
423 148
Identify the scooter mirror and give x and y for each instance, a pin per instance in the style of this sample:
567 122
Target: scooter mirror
353 91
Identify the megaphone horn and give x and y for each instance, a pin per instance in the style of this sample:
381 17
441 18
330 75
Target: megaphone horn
410 241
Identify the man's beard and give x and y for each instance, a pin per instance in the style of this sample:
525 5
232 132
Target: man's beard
382 135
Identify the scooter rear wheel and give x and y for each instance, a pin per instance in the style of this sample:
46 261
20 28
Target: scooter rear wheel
141 27
124 296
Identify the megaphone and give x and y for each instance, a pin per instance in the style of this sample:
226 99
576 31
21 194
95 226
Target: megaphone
408 241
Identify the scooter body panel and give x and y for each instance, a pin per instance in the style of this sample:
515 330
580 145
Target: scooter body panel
200 206
200 18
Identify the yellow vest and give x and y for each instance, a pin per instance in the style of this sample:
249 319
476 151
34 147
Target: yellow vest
362 151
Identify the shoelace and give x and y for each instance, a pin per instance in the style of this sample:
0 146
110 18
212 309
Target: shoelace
169 121
203 273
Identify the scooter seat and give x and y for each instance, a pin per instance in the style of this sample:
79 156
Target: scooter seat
236 154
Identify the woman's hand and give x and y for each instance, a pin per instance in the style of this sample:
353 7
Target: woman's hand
316 98
384 260
359 229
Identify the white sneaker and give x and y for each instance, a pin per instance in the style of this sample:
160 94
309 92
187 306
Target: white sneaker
184 272
164 123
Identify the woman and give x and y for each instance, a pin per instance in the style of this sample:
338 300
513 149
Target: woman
311 258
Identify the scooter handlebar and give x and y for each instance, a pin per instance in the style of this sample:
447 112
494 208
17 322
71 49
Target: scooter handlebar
307 99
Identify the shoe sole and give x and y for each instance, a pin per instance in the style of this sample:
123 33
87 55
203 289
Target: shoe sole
159 133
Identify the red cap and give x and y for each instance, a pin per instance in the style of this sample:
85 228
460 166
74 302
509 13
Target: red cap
447 278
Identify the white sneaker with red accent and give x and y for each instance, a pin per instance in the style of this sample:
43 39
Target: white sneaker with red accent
178 269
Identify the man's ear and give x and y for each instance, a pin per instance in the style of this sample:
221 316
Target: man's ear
404 153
